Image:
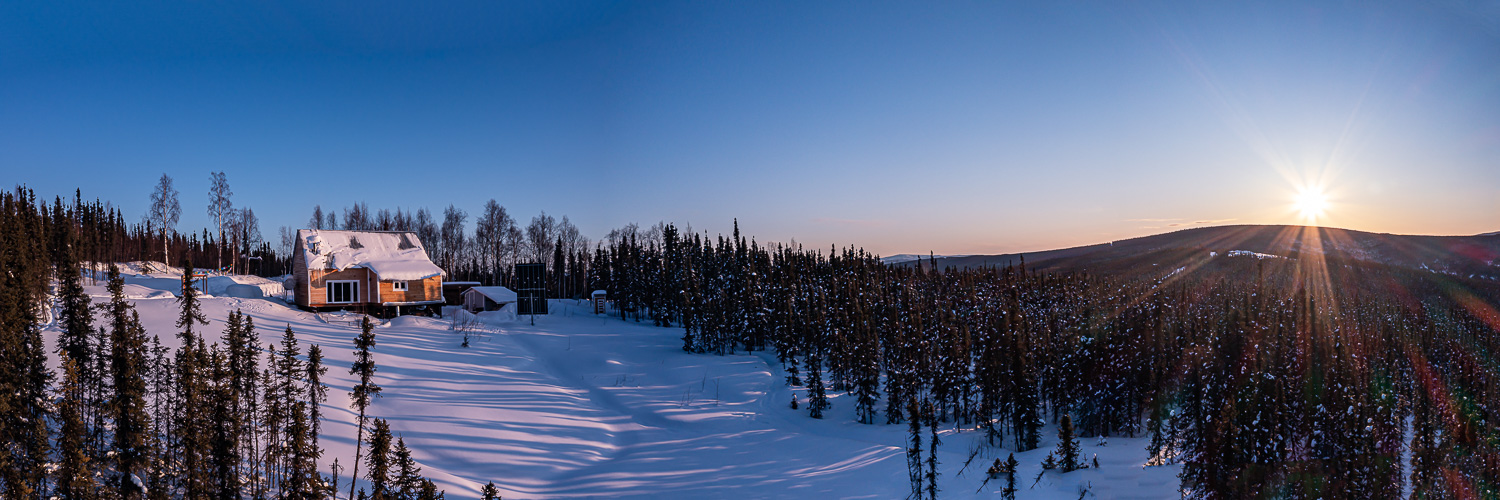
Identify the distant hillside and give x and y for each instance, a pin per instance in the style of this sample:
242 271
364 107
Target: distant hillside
1465 256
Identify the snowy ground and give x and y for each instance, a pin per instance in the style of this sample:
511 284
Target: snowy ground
582 406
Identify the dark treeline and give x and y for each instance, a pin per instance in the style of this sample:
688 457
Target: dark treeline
123 416
1284 377
103 236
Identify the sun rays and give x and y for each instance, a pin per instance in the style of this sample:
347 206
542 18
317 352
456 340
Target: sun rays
1311 203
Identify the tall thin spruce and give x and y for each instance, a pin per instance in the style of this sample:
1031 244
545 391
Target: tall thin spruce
914 452
128 362
365 390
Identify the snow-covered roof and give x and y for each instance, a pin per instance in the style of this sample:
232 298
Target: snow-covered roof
499 294
599 293
391 255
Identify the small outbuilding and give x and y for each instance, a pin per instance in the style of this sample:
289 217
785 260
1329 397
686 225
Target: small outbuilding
453 291
599 297
488 298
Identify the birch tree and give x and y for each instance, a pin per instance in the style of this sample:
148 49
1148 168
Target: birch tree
164 212
219 207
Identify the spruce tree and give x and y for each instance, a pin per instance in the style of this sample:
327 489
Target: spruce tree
1026 422
75 475
100 391
28 431
191 433
224 423
1009 492
243 364
75 318
489 492
866 386
1158 450
817 400
793 375
187 440
379 461
158 371
929 412
914 452
317 394
408 480
428 491
301 477
365 390
1067 445
190 310
289 370
275 413
128 407
24 388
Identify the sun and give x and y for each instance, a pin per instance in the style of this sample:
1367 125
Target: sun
1312 203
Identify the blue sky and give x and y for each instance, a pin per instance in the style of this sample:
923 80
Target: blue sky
957 127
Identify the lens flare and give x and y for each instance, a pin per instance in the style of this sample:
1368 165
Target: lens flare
1312 203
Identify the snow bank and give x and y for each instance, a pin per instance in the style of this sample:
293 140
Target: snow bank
244 291
391 255
406 322
221 285
504 315
458 316
132 291
152 279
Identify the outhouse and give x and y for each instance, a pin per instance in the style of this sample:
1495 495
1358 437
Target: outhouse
599 297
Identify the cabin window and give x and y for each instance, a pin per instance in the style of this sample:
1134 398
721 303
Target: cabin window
343 292
399 286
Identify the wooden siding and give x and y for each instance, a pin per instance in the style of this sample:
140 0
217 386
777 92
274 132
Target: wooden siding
317 285
416 290
311 288
430 289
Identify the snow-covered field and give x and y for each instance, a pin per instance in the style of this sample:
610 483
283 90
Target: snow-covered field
584 406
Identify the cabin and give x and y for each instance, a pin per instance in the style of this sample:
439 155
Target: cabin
372 271
488 298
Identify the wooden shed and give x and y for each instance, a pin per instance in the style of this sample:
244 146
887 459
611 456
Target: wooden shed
361 269
488 298
599 298
453 291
